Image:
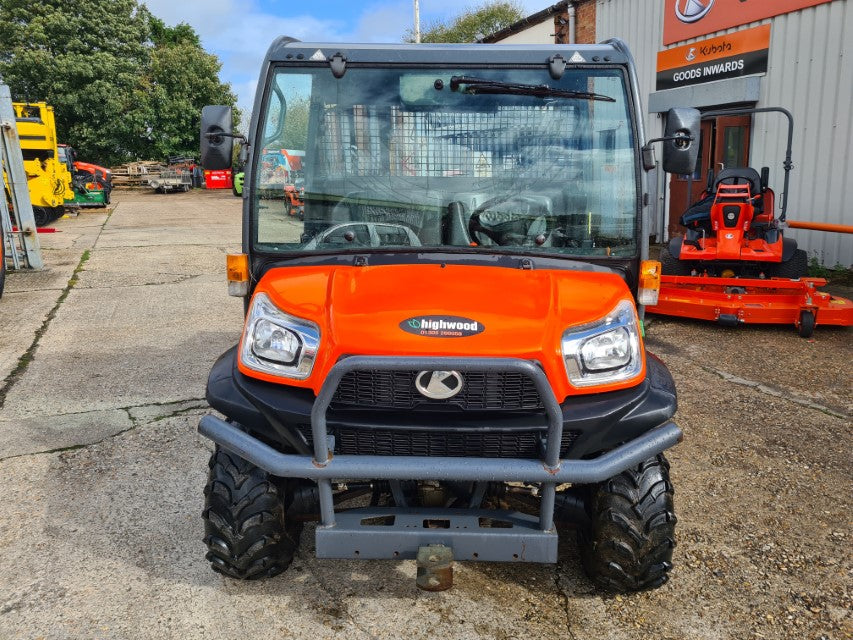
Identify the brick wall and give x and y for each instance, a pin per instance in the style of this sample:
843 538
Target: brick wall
584 24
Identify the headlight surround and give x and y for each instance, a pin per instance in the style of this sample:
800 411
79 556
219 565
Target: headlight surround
277 343
604 351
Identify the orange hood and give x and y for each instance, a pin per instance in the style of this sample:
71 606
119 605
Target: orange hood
486 311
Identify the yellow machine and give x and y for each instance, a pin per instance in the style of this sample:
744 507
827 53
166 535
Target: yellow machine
48 178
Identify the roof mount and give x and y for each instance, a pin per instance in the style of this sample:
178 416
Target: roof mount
338 63
557 66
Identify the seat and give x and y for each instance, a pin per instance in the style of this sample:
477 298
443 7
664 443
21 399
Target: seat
420 212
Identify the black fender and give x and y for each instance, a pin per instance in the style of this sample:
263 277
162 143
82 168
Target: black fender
789 247
674 246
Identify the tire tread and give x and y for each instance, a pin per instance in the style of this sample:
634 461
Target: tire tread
246 531
628 544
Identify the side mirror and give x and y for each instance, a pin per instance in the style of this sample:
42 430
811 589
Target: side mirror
681 141
217 138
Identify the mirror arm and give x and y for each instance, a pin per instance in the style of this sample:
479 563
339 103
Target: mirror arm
668 138
223 134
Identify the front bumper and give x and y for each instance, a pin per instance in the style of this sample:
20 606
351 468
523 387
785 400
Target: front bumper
268 408
593 423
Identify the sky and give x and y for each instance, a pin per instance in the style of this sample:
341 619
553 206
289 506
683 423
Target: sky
240 31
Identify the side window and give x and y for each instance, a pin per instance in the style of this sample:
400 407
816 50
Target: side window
274 118
278 172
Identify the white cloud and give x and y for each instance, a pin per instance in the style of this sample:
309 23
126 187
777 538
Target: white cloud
240 32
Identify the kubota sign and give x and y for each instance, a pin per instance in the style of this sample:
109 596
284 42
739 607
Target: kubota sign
741 53
684 19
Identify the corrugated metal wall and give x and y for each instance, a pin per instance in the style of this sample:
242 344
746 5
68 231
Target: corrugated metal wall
810 73
639 24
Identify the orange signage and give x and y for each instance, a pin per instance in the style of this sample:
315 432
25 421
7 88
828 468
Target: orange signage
735 54
685 19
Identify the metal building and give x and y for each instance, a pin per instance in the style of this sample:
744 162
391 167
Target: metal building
722 54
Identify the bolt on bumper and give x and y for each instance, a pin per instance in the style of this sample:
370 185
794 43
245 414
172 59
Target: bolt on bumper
523 537
352 467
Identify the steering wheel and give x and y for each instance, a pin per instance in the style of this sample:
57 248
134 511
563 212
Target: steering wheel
506 232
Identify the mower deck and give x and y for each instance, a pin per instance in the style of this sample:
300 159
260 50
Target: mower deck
731 301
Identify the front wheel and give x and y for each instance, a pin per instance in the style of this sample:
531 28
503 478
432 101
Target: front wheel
246 531
672 266
628 543
795 268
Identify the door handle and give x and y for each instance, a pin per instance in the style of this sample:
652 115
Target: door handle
721 165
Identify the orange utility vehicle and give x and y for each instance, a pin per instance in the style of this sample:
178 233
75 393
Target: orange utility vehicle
453 328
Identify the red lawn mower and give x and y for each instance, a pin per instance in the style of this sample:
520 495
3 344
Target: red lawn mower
732 230
734 264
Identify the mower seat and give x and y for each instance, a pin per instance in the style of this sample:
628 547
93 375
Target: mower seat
698 214
739 175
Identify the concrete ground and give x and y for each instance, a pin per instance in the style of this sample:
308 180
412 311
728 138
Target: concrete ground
103 363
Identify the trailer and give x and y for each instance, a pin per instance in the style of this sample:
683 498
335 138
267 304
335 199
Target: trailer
172 180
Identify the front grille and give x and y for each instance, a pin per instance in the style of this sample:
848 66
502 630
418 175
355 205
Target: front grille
436 442
501 391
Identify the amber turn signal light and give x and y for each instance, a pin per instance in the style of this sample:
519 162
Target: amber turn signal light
238 274
649 282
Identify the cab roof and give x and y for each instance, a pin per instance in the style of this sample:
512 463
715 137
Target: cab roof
286 49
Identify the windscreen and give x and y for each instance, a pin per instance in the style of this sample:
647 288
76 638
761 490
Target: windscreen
475 159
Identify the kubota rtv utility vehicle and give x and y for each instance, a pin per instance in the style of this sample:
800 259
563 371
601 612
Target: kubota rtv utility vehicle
452 332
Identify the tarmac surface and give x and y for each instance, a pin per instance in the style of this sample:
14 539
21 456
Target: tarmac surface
103 366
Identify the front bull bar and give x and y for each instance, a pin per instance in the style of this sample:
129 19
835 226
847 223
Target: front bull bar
549 471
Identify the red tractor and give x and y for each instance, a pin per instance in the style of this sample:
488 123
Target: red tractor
734 265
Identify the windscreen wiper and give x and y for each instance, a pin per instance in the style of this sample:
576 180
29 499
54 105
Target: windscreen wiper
482 86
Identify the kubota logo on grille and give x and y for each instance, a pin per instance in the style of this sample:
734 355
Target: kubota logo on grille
439 385
689 11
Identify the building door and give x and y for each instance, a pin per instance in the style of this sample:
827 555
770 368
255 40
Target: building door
723 144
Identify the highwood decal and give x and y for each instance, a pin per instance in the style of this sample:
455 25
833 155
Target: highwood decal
442 326
741 53
685 19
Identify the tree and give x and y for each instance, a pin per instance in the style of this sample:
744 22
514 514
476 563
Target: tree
182 78
121 82
87 69
472 24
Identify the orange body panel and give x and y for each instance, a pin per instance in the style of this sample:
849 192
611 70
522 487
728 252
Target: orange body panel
758 250
525 313
734 243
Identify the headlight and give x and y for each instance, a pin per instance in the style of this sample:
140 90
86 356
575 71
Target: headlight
277 343
604 351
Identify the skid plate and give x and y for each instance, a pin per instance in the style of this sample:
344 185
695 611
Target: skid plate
377 533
